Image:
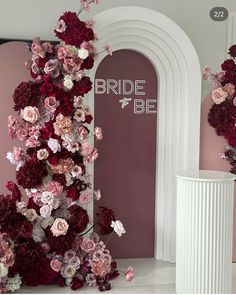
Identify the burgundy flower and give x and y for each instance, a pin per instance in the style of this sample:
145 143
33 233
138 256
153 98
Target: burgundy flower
12 187
31 205
78 218
47 88
106 216
76 283
31 174
232 51
26 229
88 119
47 130
88 63
82 87
228 65
26 94
59 178
73 193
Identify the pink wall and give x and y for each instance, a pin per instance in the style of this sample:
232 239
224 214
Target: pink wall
211 146
125 171
12 58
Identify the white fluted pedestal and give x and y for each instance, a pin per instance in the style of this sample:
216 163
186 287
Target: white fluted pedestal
204 231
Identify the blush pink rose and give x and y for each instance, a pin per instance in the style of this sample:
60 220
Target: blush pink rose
68 271
79 115
51 103
62 52
56 264
219 95
37 49
129 274
55 188
86 149
85 198
22 133
30 114
59 227
88 245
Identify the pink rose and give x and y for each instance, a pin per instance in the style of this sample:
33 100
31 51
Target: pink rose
85 198
88 245
48 47
30 114
59 227
52 68
70 66
56 264
86 149
22 133
69 254
51 103
129 274
98 255
55 188
31 214
219 95
62 52
82 132
230 89
75 262
42 154
68 271
98 133
76 171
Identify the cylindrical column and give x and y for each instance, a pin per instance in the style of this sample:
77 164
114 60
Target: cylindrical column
204 231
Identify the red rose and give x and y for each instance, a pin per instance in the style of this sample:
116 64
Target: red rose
76 284
232 51
26 229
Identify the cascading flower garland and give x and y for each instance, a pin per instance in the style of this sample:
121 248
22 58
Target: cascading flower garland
222 115
44 225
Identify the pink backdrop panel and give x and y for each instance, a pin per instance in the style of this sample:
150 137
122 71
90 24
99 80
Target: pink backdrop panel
211 146
13 71
125 170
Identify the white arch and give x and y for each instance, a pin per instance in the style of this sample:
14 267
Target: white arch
176 62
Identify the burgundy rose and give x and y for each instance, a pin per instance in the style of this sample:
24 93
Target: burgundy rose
106 216
12 187
88 63
47 88
26 229
59 178
79 219
47 130
26 94
73 193
82 87
88 119
228 65
76 283
232 51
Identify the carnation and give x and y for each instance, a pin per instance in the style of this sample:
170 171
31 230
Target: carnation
78 218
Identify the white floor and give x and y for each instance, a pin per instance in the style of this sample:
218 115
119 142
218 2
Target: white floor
151 277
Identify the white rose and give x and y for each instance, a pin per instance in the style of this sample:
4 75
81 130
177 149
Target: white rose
54 145
45 211
118 227
38 233
83 53
47 222
3 271
68 83
47 198
68 271
31 214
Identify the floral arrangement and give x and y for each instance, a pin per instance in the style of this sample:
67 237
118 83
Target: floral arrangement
45 230
222 115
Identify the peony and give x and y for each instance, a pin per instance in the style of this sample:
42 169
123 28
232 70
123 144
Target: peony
88 245
118 227
68 271
59 227
219 95
56 264
42 154
30 114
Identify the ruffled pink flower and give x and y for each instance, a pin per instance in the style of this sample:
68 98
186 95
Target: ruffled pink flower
230 89
18 154
51 103
98 133
56 265
91 157
22 133
55 188
70 66
59 227
82 132
30 114
88 245
32 142
62 52
60 26
52 68
129 274
100 268
85 198
86 149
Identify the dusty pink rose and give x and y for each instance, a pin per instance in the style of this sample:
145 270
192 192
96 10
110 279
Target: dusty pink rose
70 66
51 103
55 188
59 227
56 264
31 214
22 133
76 171
86 149
18 154
82 132
219 95
60 26
98 133
32 142
30 114
69 254
91 157
85 198
52 68
129 274
79 115
98 255
100 268
88 245
230 89
42 154
75 262
62 52
36 48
